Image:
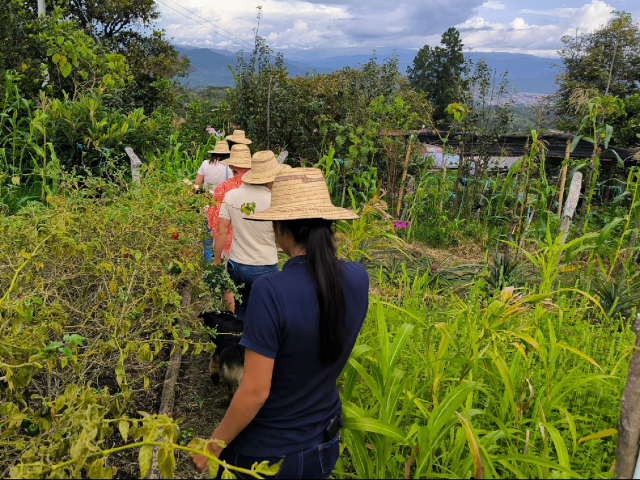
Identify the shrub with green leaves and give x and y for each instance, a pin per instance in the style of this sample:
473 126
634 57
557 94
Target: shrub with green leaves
90 305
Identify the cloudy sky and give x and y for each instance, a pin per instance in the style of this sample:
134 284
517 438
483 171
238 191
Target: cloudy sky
332 27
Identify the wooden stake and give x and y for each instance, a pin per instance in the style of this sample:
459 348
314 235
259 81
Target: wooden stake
170 382
563 178
629 423
404 177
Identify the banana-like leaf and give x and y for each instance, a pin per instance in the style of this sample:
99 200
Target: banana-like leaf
447 408
354 442
561 448
536 461
604 433
579 353
372 425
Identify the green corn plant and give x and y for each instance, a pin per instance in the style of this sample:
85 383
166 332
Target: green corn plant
380 421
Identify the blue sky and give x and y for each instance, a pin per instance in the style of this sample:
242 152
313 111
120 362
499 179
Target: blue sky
303 27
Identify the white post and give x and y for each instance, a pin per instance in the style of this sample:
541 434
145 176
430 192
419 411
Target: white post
42 10
135 163
570 206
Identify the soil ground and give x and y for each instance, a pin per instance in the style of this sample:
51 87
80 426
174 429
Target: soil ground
199 404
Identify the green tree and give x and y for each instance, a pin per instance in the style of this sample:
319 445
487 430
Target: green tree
607 61
126 27
53 55
438 72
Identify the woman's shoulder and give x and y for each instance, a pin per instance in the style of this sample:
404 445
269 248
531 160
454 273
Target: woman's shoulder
355 271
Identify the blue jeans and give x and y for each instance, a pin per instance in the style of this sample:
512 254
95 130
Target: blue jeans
314 462
208 243
246 275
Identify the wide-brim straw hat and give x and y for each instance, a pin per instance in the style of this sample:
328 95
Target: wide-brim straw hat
221 148
264 168
240 157
238 137
300 193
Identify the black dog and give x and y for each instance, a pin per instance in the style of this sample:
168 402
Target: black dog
228 359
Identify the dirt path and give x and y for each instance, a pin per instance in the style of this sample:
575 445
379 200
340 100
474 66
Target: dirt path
199 404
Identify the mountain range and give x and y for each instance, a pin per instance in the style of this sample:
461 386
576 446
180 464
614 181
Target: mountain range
526 73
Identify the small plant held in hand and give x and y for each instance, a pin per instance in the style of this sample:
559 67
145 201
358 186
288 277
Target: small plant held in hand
218 281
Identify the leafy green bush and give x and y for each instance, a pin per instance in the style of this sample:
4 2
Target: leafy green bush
90 304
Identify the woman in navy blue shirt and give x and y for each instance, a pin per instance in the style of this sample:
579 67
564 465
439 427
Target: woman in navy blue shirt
301 326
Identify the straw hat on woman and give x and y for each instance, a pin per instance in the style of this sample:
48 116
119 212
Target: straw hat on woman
300 328
240 163
238 137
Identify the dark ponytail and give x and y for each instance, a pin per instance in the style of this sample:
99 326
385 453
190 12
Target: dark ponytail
323 266
218 157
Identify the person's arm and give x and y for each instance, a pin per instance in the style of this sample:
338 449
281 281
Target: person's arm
247 402
218 244
198 182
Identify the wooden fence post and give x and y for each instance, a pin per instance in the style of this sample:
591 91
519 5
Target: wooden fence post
135 163
627 460
572 203
170 382
404 177
563 178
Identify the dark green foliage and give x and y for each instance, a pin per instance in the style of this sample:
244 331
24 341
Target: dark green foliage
506 272
438 72
278 111
618 296
20 48
606 61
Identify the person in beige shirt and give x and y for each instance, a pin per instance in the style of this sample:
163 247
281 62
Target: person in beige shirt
253 249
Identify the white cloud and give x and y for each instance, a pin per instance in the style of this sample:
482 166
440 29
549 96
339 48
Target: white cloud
336 26
518 36
492 5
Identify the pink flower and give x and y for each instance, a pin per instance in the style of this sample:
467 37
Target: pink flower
401 224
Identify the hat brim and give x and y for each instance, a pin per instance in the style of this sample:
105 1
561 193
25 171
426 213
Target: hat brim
237 163
213 152
243 141
254 178
299 213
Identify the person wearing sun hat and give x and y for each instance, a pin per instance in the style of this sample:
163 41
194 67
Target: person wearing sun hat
211 174
253 249
238 137
239 162
300 328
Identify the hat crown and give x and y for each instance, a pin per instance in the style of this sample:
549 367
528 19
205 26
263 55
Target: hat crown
307 182
240 157
299 193
238 136
264 168
221 147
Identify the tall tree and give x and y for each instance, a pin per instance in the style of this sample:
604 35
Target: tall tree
606 62
438 72
126 27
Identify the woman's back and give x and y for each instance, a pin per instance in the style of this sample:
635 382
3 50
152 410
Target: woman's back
282 323
214 174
